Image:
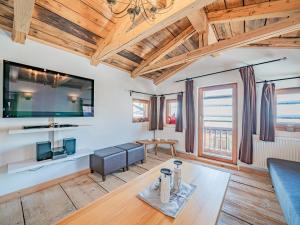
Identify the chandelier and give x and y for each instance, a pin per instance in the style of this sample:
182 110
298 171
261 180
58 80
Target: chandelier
148 8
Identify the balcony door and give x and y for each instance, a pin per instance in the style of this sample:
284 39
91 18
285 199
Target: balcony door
218 123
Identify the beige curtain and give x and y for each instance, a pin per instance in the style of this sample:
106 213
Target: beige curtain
267 113
249 115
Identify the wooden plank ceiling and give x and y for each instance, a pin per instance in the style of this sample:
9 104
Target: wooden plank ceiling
86 27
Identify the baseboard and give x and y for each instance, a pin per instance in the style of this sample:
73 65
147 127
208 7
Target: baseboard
223 164
256 171
39 187
208 161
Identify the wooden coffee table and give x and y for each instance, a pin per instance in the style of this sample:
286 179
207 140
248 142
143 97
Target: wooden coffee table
157 142
122 207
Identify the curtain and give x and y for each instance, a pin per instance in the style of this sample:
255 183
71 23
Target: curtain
190 116
267 113
161 113
249 115
153 113
179 126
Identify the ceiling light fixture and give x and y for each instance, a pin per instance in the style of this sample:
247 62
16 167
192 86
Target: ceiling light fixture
148 8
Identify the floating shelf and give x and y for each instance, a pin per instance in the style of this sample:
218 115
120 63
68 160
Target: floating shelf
32 164
37 130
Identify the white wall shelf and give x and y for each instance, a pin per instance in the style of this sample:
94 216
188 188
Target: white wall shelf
33 165
37 130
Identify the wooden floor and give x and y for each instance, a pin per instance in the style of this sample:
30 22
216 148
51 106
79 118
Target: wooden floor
250 198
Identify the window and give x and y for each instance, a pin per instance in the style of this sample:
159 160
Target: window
288 109
218 122
171 111
140 110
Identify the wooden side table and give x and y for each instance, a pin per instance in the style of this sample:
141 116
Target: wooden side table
157 142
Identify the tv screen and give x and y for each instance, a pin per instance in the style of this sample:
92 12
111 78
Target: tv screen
34 92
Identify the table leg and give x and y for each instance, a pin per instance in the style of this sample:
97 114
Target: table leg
145 149
156 146
173 150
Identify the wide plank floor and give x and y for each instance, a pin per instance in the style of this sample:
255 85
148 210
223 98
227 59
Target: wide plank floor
82 190
249 200
46 206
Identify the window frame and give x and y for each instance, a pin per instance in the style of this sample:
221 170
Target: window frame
168 102
286 126
141 120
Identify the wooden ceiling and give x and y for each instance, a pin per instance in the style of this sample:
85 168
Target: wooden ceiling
158 50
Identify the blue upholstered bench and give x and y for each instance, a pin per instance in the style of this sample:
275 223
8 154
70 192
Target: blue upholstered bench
108 160
134 152
285 177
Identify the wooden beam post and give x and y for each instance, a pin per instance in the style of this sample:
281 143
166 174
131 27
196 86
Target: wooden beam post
122 40
280 8
22 18
170 46
260 34
199 21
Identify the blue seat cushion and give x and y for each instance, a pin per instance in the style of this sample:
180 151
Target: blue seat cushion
285 177
128 146
102 153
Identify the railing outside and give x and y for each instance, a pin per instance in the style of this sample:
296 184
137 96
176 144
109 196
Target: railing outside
217 140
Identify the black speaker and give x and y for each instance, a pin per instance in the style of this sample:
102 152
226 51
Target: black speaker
43 150
69 145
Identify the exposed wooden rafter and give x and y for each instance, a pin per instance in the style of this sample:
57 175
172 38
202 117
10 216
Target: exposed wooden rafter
282 42
170 46
169 73
280 8
199 21
22 18
122 40
260 34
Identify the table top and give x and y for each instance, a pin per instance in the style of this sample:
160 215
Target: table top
157 141
122 206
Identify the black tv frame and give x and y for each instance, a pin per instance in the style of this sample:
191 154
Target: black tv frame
6 113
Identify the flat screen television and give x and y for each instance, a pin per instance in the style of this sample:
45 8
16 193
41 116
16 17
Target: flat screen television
34 92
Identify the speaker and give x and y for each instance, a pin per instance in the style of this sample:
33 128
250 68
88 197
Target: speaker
43 150
69 145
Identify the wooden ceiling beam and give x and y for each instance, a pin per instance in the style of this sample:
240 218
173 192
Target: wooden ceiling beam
260 34
170 46
169 73
22 18
121 39
278 42
280 8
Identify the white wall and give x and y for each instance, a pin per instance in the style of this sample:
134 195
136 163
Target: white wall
111 125
227 60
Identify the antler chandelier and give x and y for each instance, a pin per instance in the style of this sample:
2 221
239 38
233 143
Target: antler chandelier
148 8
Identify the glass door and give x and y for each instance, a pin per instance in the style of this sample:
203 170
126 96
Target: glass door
218 123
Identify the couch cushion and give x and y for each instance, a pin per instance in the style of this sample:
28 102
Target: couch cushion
107 151
128 146
286 181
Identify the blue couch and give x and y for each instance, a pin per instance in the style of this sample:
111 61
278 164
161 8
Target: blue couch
285 177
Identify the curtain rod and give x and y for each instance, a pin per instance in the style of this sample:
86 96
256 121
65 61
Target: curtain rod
236 68
288 78
144 93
